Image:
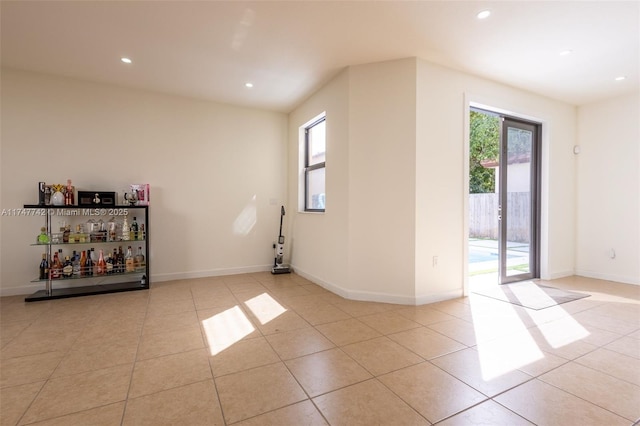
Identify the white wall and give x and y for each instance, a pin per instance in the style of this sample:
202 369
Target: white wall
406 137
382 134
217 172
444 96
318 241
318 246
361 247
608 195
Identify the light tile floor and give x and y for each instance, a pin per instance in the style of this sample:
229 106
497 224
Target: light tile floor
258 349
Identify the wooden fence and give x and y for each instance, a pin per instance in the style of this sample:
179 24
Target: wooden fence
483 216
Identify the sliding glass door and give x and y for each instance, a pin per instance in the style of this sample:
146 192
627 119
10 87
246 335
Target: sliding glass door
519 201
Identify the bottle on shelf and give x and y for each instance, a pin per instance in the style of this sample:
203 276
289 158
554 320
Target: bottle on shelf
56 266
125 230
141 235
110 263
83 263
47 195
65 234
102 264
120 260
112 226
136 262
75 261
44 267
128 261
139 260
43 238
90 264
67 268
114 261
94 261
134 228
69 199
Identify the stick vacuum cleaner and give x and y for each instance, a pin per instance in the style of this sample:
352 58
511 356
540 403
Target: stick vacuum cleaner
278 266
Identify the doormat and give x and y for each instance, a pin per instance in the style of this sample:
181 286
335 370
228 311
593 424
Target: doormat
528 294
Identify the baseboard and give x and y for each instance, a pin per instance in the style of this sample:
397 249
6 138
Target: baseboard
32 288
425 299
556 275
368 296
608 277
22 290
171 276
319 281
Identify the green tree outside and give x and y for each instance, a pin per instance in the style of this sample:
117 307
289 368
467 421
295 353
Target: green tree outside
484 142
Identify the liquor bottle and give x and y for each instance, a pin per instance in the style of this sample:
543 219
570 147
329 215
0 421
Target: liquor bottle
56 266
68 194
112 226
120 260
83 263
47 195
102 264
41 186
65 234
94 262
44 267
43 238
136 261
139 260
67 267
141 234
90 264
128 261
110 264
114 261
125 230
134 228
75 261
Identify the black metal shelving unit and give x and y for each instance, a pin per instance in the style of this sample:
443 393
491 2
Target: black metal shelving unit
97 284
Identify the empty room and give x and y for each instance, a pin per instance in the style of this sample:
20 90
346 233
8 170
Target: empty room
319 212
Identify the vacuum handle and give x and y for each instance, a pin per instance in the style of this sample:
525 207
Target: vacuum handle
281 216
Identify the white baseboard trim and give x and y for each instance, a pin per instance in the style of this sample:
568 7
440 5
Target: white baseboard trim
171 276
319 281
22 290
608 277
425 299
556 275
368 296
32 288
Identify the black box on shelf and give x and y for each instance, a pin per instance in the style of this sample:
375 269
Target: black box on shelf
97 198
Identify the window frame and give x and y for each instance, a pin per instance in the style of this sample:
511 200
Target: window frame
312 167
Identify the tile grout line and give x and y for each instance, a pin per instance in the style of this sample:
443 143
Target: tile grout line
135 358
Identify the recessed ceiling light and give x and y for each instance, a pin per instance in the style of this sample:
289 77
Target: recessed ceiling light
484 14
622 77
249 85
126 60
566 52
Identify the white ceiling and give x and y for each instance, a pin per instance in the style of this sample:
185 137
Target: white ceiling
288 49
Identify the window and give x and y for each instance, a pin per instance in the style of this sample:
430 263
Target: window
314 166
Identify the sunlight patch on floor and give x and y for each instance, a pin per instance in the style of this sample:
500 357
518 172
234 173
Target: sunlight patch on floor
265 308
502 356
226 328
504 343
563 331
